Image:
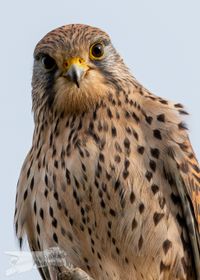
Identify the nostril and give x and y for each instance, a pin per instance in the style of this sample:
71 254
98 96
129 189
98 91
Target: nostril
65 64
80 60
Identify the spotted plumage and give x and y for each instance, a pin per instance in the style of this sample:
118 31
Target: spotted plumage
111 177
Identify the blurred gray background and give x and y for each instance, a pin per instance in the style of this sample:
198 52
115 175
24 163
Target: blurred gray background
159 41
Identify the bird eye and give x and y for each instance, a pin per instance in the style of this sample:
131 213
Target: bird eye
97 51
48 62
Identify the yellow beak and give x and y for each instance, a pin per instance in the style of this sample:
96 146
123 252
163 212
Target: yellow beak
75 67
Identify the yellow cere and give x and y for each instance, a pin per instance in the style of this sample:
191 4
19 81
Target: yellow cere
80 62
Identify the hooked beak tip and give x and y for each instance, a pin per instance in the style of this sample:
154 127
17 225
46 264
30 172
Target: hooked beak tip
77 84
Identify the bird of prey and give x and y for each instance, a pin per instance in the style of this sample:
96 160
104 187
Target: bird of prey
111 178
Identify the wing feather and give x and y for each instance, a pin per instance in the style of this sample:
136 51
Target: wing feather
185 169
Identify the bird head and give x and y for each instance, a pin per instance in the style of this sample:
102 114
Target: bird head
74 67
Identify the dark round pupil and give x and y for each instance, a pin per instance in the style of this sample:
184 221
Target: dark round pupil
97 50
48 62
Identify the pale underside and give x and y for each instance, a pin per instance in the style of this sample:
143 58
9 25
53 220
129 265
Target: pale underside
111 183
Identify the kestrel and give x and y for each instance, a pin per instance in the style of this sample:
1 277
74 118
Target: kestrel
111 178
